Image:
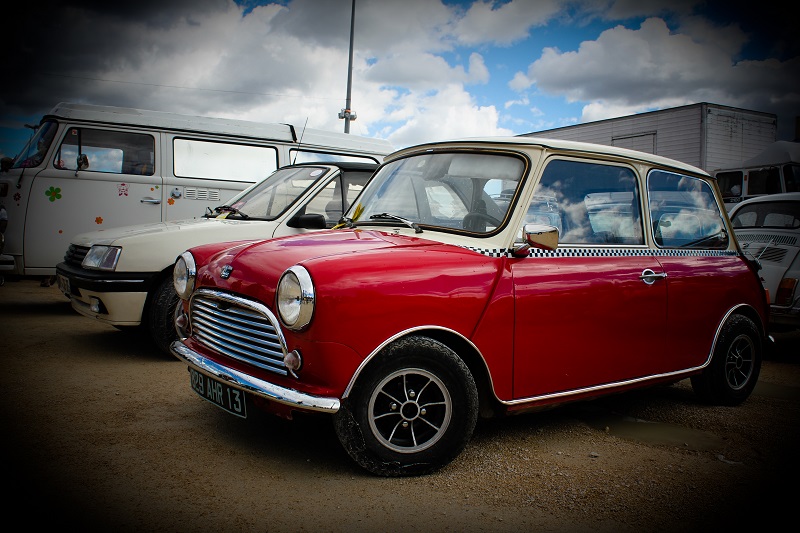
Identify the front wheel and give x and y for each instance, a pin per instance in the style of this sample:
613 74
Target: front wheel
161 315
735 365
412 413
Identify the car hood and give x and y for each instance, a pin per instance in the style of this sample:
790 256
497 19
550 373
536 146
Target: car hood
117 236
256 267
153 247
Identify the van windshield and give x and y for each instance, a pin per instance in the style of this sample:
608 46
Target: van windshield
35 151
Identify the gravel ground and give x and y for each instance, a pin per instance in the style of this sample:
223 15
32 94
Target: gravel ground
103 433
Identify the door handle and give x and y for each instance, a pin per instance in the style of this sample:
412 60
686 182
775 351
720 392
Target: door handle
650 277
150 201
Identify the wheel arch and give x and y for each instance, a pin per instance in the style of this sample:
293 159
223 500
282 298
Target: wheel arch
746 311
489 406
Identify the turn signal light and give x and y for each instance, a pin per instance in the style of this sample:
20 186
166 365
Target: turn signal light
785 293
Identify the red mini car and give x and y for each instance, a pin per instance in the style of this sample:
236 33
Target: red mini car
478 278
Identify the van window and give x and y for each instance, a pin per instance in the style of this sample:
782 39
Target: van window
791 178
34 152
764 181
115 152
730 183
684 212
305 156
223 161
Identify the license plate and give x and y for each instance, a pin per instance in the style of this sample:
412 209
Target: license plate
218 393
63 284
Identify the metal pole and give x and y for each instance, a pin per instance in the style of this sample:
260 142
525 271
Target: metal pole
350 71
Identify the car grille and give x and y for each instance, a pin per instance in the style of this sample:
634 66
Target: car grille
239 328
75 254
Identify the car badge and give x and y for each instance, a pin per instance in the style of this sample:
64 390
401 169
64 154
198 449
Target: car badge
226 271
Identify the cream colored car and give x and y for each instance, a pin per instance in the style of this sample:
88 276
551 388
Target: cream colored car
123 276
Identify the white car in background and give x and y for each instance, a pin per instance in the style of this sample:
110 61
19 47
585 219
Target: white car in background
768 229
123 276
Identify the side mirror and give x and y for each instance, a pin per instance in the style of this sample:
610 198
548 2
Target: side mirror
83 162
309 221
541 236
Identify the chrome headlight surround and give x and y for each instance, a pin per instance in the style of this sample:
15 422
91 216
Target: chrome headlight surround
102 257
184 275
295 299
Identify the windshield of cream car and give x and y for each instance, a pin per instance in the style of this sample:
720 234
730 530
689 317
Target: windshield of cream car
451 191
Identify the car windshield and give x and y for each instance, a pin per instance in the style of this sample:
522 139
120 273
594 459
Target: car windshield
445 191
781 214
271 197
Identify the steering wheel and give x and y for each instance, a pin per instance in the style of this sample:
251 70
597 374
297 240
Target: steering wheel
476 221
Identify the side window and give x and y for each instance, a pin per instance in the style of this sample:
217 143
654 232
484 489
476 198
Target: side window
791 178
337 196
589 203
223 161
730 183
115 152
305 156
684 212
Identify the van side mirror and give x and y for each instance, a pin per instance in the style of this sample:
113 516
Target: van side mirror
83 162
307 221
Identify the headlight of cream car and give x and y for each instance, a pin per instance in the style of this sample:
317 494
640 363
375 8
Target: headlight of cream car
102 257
295 298
183 275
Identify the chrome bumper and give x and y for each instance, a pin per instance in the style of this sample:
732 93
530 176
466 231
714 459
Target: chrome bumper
255 386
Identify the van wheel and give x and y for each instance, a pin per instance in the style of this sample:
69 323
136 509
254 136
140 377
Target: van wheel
735 365
412 413
160 315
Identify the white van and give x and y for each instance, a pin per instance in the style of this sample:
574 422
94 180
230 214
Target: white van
773 171
93 167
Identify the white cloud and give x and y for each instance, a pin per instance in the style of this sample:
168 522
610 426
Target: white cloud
447 113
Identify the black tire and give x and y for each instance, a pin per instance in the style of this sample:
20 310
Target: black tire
735 365
160 315
412 412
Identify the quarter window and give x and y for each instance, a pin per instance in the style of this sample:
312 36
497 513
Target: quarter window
684 212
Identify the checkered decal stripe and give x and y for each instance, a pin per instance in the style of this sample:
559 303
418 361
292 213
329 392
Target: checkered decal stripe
604 252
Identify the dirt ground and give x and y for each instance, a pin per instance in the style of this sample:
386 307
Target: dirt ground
100 432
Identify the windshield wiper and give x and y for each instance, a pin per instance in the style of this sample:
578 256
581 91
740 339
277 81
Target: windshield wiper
230 209
387 216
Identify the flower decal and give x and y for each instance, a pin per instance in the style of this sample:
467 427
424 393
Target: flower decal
17 197
98 220
171 201
122 189
54 193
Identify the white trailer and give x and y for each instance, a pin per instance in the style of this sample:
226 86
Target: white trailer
708 136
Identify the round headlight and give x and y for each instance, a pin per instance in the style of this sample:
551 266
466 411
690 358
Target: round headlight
295 298
183 275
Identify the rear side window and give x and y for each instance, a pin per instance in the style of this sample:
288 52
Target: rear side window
109 151
223 161
684 212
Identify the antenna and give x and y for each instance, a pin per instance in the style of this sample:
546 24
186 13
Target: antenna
300 142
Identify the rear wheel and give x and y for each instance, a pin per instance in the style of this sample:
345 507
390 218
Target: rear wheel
412 413
733 372
160 315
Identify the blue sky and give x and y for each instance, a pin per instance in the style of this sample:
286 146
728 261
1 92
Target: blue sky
424 70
